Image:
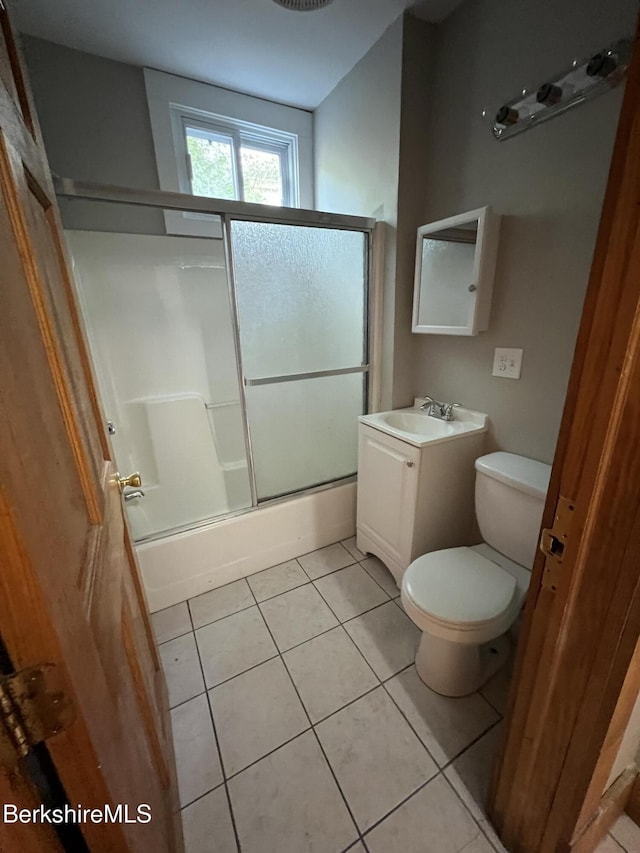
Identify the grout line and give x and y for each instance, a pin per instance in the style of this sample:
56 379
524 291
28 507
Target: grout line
342 621
284 663
410 724
215 737
473 743
372 556
202 796
177 637
312 726
403 801
220 618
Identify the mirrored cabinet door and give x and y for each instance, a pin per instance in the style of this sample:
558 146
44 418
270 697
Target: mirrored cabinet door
455 265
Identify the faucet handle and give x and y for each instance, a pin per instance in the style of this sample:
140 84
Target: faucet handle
428 401
448 410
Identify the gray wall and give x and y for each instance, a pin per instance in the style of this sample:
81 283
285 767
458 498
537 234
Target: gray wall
548 184
418 54
357 139
95 123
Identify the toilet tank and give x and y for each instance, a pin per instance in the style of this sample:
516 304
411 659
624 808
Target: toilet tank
510 496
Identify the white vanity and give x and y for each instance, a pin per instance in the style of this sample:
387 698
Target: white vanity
415 482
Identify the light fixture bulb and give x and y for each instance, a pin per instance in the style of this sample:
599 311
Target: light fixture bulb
303 5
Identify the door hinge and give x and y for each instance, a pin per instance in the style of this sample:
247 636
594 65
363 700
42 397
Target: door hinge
553 542
33 707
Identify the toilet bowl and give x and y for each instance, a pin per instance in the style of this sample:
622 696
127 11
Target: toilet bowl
465 599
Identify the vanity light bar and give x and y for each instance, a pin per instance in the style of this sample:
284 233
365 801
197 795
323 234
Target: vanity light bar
581 82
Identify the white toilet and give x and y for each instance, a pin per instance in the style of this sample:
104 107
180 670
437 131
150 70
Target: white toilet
465 599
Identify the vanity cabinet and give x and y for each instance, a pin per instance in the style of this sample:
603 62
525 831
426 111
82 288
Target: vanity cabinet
412 500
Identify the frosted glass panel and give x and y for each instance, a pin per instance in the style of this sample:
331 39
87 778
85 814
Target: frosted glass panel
447 272
158 320
300 294
304 433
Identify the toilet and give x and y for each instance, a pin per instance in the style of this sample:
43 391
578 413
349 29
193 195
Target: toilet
464 600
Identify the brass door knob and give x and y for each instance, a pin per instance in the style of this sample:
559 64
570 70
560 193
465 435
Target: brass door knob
134 480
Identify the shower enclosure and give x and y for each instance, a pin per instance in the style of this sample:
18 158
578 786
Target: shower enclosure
229 342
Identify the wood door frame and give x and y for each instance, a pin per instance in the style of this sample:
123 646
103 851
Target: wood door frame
567 706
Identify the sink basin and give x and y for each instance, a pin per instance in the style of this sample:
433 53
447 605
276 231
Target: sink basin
407 420
416 427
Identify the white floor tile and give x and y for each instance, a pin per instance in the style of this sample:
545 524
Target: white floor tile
182 669
496 691
491 835
255 713
220 602
386 637
626 833
197 761
276 580
352 548
207 826
329 671
234 644
296 616
478 845
470 774
381 574
171 622
609 845
376 757
325 560
289 803
446 726
433 819
350 592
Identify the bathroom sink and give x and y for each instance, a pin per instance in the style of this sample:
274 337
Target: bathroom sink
416 427
417 424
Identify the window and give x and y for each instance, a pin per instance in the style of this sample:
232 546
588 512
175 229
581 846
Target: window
229 159
213 141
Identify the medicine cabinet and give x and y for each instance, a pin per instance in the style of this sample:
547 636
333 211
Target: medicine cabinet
455 267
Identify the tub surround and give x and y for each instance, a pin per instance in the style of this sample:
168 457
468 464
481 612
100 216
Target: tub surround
177 567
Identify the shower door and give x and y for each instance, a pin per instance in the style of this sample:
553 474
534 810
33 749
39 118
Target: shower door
301 302
158 317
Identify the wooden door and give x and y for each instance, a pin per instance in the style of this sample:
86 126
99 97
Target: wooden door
582 619
70 593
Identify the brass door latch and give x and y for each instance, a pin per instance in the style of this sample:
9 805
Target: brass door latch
553 542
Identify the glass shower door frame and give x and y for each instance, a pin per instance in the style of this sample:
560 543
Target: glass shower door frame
228 211
245 382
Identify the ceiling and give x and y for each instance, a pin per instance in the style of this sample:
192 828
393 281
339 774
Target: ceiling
252 46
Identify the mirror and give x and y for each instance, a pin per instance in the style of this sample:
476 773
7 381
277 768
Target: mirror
455 266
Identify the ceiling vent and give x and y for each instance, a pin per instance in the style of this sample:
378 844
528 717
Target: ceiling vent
303 5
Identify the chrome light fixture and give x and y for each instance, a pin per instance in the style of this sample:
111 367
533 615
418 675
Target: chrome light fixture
303 5
575 85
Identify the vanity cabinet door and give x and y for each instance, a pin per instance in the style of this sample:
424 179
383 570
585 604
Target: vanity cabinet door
388 473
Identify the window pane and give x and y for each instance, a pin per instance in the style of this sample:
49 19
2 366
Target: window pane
262 175
211 163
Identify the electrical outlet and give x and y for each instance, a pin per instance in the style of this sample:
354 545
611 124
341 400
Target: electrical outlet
507 363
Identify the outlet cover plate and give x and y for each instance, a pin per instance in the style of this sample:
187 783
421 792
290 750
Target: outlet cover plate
507 363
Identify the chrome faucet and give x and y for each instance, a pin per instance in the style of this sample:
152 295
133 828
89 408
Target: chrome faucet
436 409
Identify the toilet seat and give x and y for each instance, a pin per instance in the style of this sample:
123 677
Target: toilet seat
459 588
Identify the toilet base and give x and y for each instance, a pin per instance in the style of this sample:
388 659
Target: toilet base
456 669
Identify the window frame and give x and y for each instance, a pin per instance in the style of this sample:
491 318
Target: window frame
280 142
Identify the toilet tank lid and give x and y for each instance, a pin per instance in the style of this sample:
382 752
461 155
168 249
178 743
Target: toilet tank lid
524 474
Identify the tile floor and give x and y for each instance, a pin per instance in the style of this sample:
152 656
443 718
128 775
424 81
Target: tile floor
301 726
